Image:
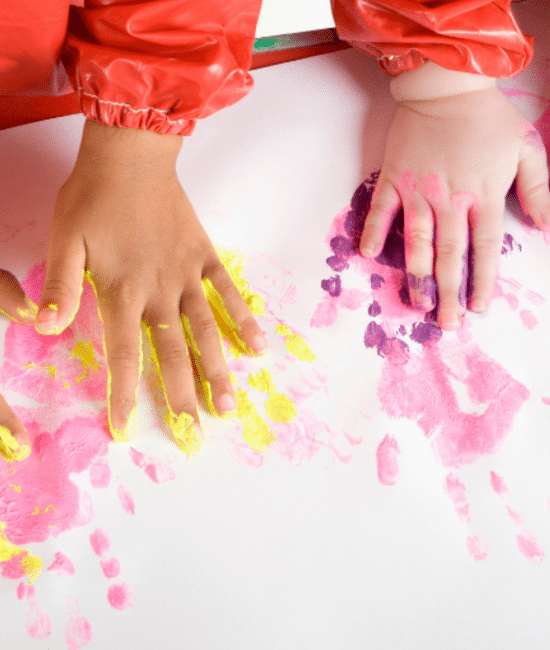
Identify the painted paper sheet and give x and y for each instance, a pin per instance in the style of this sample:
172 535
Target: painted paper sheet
384 485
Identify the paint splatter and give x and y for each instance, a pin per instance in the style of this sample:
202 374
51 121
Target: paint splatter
100 541
456 491
528 319
387 461
110 567
158 471
62 565
119 596
529 547
78 633
126 500
476 548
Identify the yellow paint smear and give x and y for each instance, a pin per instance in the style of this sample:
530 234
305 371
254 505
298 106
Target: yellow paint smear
233 262
186 433
279 407
53 306
295 344
30 564
163 326
17 488
129 431
256 432
84 352
28 365
52 370
10 449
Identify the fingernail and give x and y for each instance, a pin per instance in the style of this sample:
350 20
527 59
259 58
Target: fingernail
227 403
127 426
367 251
259 344
47 319
478 304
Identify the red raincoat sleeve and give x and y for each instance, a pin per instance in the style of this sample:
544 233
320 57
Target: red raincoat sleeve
479 36
159 65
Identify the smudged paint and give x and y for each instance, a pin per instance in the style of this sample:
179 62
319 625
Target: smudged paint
456 491
62 565
256 432
126 500
387 461
529 547
100 473
78 633
278 406
100 541
119 596
528 319
476 548
157 471
37 621
424 290
110 567
498 484
50 502
295 343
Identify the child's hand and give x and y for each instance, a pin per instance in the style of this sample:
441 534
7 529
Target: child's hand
124 217
15 305
449 162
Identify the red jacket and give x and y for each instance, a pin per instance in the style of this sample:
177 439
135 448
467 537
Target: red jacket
479 36
157 64
162 64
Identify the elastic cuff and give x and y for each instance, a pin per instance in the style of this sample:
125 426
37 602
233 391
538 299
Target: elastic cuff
395 64
123 115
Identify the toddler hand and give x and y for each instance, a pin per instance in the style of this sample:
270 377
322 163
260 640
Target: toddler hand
124 217
14 441
449 162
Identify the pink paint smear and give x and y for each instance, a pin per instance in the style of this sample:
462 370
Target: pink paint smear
387 461
100 541
158 471
62 565
119 596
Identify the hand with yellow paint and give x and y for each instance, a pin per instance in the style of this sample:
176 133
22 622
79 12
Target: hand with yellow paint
123 218
14 305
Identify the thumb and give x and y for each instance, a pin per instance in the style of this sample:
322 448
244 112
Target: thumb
62 286
532 184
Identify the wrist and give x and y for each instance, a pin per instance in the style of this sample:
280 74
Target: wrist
431 81
112 145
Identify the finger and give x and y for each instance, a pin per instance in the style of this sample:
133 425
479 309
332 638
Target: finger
230 305
14 439
532 184
170 353
206 345
14 304
171 357
486 233
451 264
419 252
62 287
121 313
384 207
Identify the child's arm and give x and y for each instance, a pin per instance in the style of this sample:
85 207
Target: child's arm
152 68
15 306
453 150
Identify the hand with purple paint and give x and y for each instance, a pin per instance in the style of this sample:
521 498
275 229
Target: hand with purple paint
15 305
454 148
